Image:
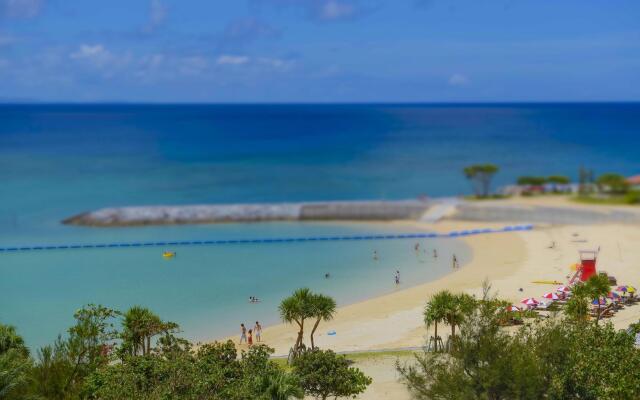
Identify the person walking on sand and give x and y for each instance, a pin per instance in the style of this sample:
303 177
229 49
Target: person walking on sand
258 330
250 341
243 333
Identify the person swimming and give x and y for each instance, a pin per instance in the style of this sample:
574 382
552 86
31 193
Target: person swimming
327 276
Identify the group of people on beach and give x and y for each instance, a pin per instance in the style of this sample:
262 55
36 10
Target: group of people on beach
454 262
247 336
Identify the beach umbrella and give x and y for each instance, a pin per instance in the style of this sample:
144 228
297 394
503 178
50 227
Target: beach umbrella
513 308
602 302
551 296
613 295
563 289
530 301
626 288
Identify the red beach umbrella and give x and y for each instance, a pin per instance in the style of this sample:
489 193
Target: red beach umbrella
551 296
530 301
513 308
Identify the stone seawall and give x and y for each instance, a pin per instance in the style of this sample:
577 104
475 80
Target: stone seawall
221 213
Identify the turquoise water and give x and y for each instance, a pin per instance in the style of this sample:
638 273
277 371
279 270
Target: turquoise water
59 160
206 288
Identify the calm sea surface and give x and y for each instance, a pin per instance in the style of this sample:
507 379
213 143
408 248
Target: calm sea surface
58 160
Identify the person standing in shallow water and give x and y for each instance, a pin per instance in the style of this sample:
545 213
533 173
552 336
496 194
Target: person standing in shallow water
243 333
258 330
455 264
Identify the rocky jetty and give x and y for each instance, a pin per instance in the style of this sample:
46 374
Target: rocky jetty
220 213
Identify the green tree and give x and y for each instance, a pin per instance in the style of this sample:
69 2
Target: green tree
297 308
532 180
15 364
481 175
597 287
613 183
140 326
323 309
281 386
436 311
577 308
324 374
62 368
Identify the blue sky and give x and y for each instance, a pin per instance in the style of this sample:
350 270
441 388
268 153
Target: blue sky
319 50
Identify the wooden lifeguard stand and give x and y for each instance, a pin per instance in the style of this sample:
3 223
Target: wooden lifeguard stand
587 267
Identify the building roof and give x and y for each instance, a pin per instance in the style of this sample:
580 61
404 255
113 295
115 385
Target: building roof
634 180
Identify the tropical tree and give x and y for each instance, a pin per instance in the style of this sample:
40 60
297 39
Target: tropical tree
481 175
613 183
323 309
140 325
15 364
577 308
281 386
436 311
324 374
532 180
297 308
458 309
597 287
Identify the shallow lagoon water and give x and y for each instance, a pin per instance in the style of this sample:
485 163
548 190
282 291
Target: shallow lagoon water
206 288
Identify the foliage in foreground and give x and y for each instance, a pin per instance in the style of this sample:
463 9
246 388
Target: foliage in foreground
144 359
560 359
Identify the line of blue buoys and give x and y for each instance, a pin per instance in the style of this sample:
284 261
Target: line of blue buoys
271 240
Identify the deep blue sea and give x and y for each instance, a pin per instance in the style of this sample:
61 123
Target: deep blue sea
59 160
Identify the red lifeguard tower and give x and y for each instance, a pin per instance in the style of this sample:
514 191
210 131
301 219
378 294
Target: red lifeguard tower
587 267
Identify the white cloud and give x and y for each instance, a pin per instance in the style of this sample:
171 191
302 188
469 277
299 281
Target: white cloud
332 10
458 80
276 63
157 16
226 59
22 8
96 54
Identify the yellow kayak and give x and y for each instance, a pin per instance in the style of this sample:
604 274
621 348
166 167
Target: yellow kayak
548 282
168 254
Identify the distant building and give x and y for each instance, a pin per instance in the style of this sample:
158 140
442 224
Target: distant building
634 182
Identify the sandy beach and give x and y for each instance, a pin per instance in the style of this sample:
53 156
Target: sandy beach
509 261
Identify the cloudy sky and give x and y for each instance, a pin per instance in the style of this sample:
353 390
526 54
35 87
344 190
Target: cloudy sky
319 50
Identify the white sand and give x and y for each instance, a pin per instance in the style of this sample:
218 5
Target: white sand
508 260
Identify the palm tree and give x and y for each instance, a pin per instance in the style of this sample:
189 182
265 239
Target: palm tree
435 311
297 308
281 386
139 326
457 308
323 308
598 286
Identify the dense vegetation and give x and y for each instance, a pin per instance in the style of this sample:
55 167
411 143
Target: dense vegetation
110 355
566 357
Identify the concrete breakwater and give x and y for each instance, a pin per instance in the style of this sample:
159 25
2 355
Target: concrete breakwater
220 213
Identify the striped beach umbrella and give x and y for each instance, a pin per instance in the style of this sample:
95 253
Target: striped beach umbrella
529 301
563 289
602 302
513 308
626 288
551 296
613 295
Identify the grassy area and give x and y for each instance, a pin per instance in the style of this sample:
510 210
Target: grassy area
614 200
359 356
490 197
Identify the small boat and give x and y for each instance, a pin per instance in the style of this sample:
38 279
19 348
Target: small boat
169 254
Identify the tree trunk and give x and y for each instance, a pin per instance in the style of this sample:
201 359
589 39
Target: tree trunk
315 326
436 336
300 336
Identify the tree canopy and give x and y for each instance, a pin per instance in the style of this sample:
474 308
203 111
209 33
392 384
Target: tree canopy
481 175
